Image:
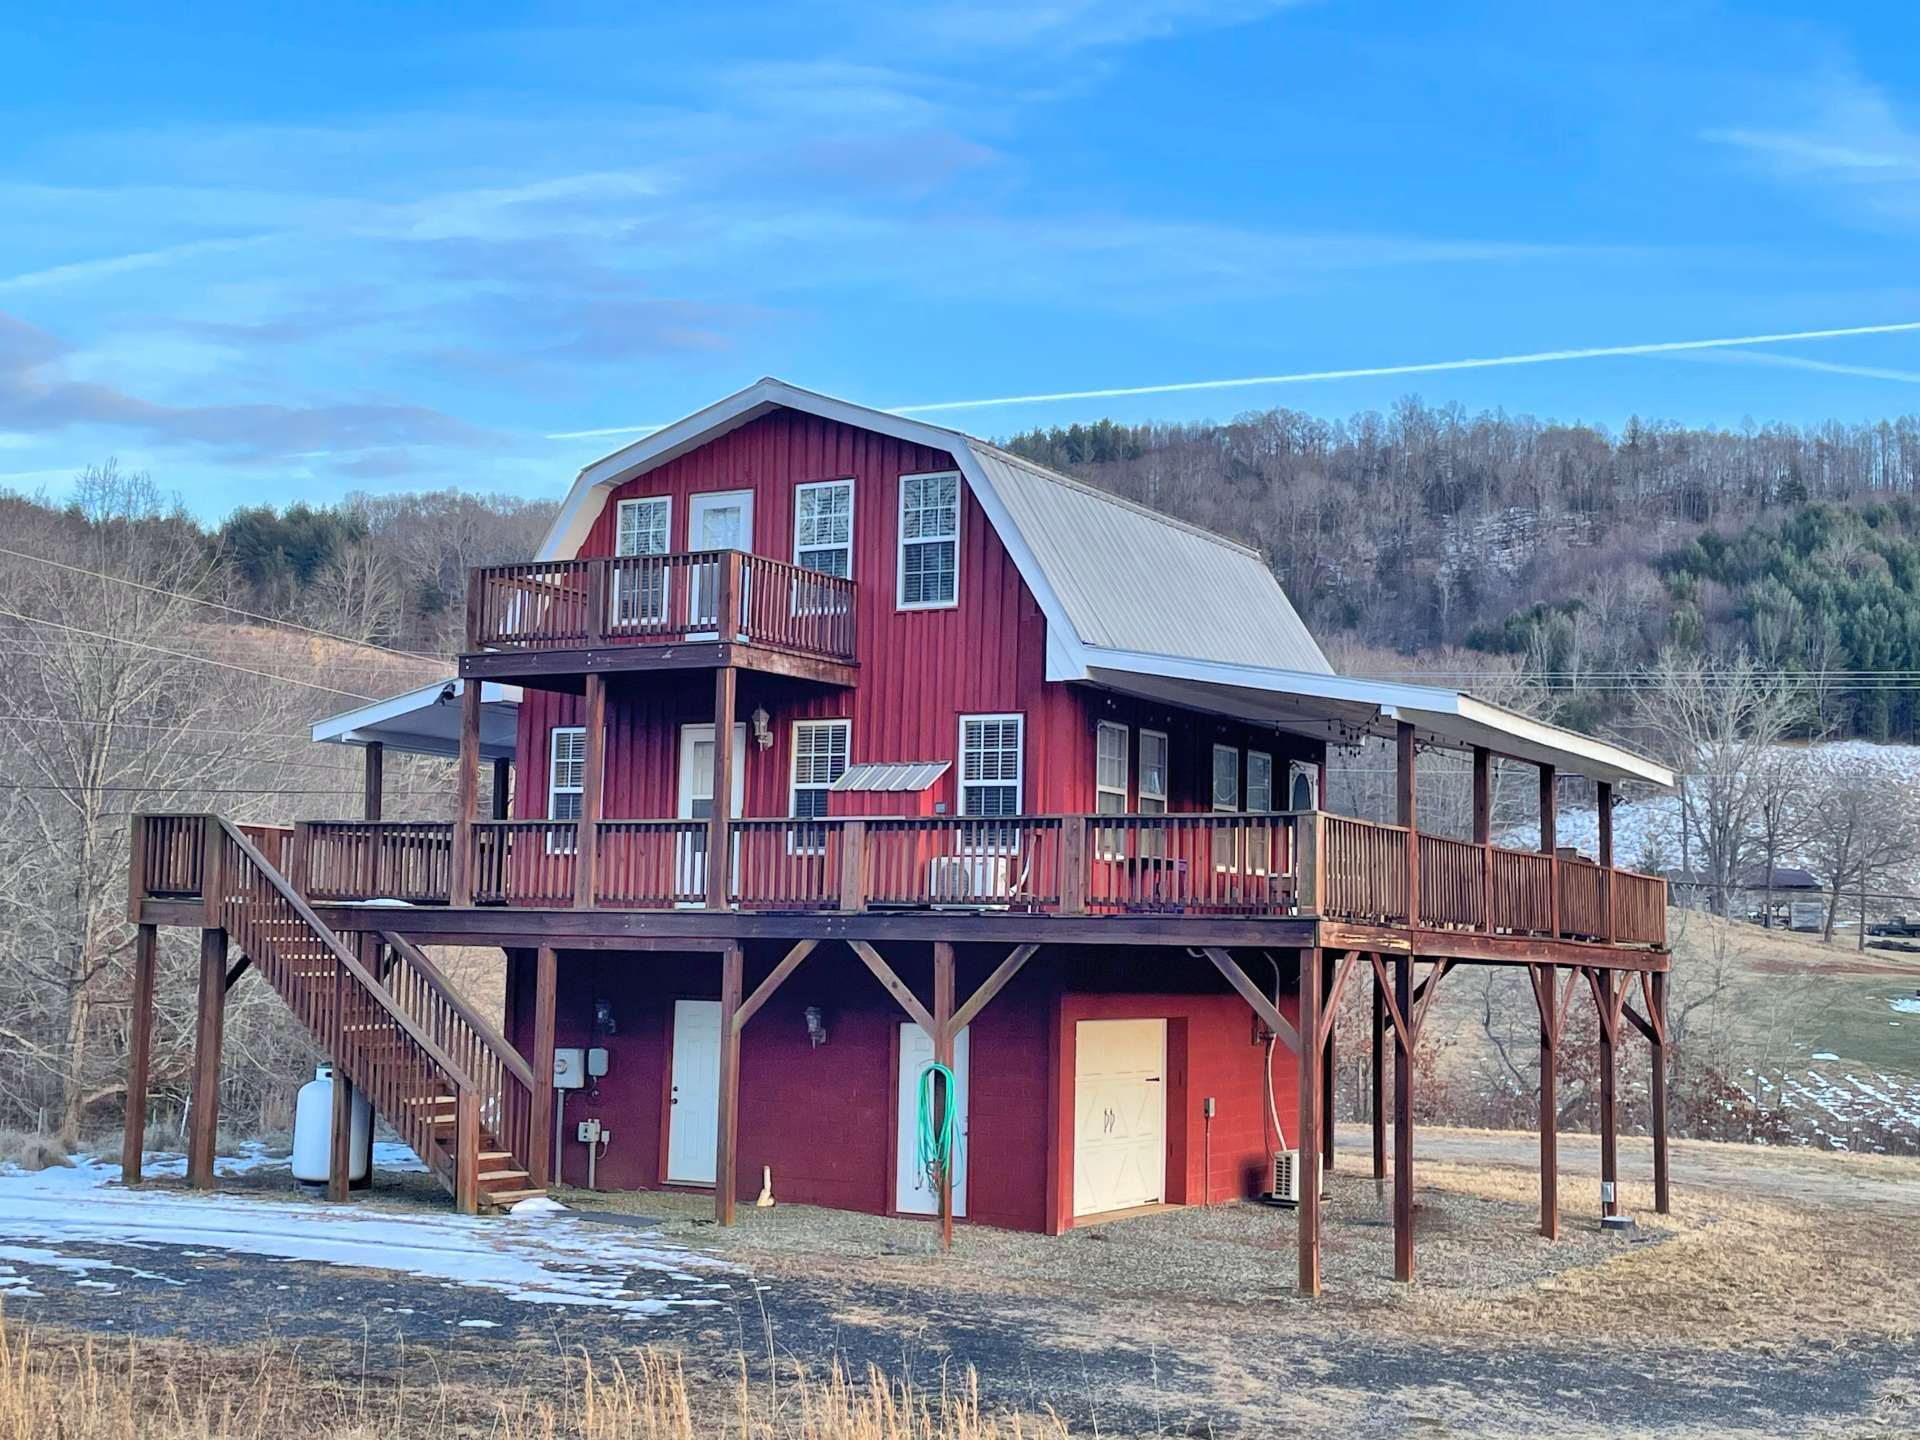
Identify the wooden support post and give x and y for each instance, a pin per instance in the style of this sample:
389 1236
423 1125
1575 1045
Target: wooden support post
719 820
1603 798
725 1162
1483 829
203 1124
1379 1084
1327 1064
1550 846
1308 1167
500 803
1403 1122
1545 990
466 1150
1609 1114
853 866
1657 1002
340 1157
1075 864
586 841
372 783
136 866
943 1044
466 795
1408 808
133 1134
546 984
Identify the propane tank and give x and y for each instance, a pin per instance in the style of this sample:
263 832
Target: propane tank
313 1132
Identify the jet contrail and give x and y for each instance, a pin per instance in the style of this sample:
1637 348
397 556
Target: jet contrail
1537 357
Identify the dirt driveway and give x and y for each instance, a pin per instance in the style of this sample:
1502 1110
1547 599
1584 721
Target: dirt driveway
1757 1310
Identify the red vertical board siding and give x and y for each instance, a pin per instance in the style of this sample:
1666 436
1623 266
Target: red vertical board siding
1023 1038
919 670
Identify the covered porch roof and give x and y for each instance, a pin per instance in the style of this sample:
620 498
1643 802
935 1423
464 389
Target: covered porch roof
426 721
1338 708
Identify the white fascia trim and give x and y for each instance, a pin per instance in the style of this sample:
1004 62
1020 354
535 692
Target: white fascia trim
1554 737
1383 694
341 729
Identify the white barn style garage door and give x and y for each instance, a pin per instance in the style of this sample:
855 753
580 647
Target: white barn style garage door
1120 1115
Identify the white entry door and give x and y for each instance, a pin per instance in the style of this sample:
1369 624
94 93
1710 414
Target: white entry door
1120 1115
693 1117
913 1194
696 801
722 520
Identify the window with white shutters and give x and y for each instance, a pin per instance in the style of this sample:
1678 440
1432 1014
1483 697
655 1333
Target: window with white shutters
643 527
990 764
566 780
929 576
819 759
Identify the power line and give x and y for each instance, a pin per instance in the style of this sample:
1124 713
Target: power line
186 655
229 609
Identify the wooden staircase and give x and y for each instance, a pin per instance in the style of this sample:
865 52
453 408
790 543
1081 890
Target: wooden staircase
432 1066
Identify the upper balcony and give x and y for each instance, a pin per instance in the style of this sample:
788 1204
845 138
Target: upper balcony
560 618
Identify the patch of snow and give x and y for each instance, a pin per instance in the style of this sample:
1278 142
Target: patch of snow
542 1260
538 1205
1907 1004
1824 1055
479 1324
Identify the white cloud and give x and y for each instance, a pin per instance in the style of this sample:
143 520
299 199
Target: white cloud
1844 135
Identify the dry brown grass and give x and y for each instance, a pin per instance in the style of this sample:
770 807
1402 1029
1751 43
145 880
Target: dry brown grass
56 1388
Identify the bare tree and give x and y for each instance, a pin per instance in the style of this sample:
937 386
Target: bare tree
1858 828
1779 793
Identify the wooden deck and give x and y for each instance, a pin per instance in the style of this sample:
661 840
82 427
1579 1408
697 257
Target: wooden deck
1163 875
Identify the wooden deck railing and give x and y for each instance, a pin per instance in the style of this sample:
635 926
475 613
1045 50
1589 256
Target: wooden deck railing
1308 863
658 600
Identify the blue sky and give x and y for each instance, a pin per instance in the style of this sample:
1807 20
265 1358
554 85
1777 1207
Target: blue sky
275 255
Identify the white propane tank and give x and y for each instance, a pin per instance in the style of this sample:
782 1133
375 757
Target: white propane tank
313 1132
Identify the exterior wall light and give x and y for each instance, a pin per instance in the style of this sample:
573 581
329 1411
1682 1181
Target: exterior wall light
816 1026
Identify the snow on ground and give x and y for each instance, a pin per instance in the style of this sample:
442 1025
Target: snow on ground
1906 1004
542 1259
1845 1110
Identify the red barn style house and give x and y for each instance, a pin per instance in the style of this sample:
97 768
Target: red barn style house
826 744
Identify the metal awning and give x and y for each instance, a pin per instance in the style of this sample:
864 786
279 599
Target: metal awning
426 721
892 775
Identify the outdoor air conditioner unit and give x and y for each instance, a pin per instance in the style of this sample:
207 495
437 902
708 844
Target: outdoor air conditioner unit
968 879
1286 1176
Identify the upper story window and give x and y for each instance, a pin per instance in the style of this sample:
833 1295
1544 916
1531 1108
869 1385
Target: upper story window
929 576
819 759
566 782
1226 800
991 747
1153 772
823 527
644 527
1110 785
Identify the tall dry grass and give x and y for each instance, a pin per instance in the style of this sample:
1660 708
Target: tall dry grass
61 1389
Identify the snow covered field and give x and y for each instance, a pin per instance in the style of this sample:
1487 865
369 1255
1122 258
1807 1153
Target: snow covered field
1840 1107
54 1222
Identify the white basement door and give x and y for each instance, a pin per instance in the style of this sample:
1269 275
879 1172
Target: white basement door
1120 1115
912 1192
693 1124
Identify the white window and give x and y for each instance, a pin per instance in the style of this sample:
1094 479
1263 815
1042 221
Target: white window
819 759
823 527
929 576
1303 786
1110 786
1226 800
1152 800
566 781
991 748
643 527
1259 782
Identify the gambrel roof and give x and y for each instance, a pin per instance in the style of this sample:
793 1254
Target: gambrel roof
1137 601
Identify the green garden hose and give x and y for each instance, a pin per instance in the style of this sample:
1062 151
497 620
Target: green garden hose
934 1143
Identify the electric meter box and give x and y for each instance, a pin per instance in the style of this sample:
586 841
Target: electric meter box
569 1068
597 1062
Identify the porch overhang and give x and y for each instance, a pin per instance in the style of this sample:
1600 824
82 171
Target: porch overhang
1338 708
426 721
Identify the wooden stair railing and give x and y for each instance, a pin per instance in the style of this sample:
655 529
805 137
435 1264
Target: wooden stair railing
430 1097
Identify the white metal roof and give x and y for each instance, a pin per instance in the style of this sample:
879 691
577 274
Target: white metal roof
426 721
1135 600
892 776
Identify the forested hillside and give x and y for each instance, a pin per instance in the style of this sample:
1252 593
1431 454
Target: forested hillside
1579 551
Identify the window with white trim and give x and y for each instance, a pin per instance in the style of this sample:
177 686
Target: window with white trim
991 763
566 781
823 527
1259 782
1110 786
1152 788
642 527
819 759
929 577
1226 800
